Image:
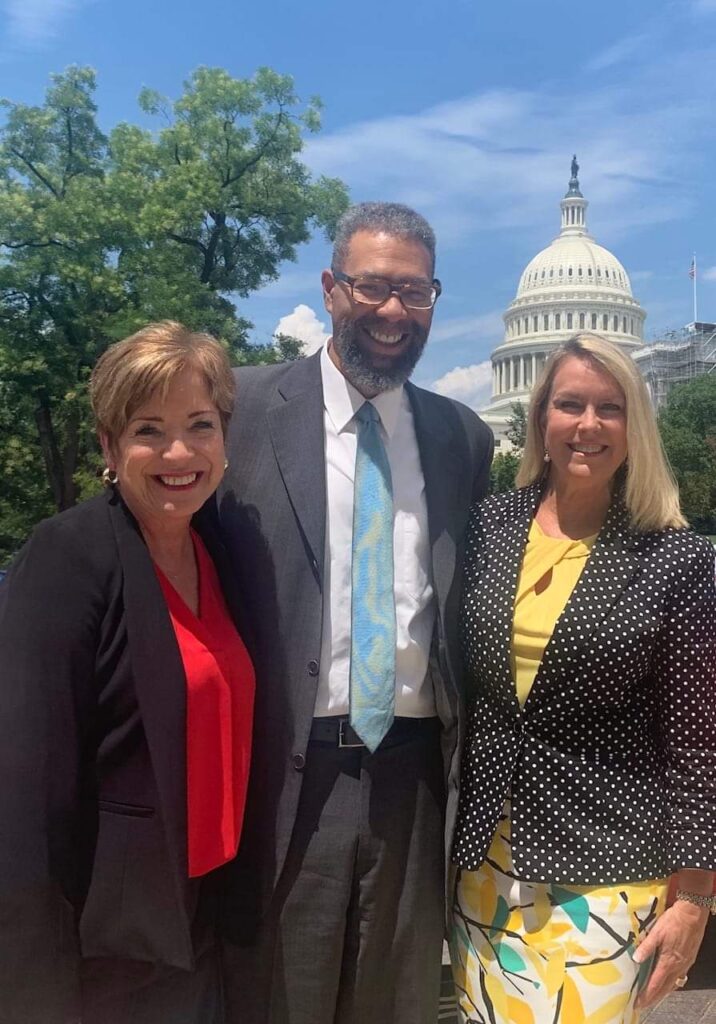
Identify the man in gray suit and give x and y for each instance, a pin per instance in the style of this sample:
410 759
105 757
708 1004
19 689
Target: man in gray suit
344 508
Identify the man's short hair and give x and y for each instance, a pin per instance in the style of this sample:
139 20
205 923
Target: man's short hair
390 218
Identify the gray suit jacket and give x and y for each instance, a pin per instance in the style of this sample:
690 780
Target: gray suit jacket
273 509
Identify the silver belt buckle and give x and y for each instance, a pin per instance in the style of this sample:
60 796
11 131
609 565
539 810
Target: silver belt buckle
342 743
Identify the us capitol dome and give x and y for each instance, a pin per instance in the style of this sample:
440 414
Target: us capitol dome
574 284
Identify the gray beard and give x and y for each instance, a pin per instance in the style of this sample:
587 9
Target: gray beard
358 369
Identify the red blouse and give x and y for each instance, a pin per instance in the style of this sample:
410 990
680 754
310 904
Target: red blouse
220 702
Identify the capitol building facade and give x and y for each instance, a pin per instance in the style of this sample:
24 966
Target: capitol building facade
574 284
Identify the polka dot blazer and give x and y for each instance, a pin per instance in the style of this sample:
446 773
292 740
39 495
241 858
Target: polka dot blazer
611 765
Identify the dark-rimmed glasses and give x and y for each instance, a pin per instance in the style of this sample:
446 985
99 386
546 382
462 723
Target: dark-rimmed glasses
374 291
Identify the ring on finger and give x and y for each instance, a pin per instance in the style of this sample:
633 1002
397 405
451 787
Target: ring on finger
680 982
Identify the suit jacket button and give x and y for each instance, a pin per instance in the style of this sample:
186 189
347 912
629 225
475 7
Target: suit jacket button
299 762
313 668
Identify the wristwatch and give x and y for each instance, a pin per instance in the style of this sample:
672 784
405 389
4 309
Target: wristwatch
708 902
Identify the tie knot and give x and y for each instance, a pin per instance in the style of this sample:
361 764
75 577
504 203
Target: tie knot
367 414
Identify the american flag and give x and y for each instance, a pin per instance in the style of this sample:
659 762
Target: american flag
692 268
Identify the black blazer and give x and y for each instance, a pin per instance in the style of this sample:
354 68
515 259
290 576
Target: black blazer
611 766
273 511
93 831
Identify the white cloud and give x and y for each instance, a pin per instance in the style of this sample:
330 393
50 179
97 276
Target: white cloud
33 22
469 384
486 326
489 162
709 274
304 325
620 51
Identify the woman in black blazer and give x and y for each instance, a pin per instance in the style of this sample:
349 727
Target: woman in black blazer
110 694
589 772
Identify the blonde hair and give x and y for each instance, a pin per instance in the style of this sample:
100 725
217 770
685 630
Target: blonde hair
650 490
131 371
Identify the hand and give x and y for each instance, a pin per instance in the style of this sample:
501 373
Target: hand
674 942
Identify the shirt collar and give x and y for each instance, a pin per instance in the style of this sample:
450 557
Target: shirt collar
342 401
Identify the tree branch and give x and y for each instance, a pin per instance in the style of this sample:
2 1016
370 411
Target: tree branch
41 177
193 242
69 455
210 252
258 156
37 245
50 452
67 176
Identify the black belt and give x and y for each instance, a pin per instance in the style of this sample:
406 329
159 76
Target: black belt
337 731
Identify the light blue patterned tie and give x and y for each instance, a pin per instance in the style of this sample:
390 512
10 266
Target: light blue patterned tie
372 595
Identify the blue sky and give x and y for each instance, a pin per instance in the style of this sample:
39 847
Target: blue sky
469 111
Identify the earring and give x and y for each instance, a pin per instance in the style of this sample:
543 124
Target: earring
109 477
547 456
226 464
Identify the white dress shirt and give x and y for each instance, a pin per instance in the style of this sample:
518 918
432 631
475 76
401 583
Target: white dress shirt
414 599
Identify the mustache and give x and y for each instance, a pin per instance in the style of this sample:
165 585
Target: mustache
375 323
362 368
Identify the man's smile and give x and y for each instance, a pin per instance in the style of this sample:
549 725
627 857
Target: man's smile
386 336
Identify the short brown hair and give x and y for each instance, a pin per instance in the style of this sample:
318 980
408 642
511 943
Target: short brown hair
131 371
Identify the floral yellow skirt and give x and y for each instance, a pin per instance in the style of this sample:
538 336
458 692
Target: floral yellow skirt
538 953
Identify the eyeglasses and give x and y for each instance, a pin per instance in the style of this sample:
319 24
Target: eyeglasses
374 291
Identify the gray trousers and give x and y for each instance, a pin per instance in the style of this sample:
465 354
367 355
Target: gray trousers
354 932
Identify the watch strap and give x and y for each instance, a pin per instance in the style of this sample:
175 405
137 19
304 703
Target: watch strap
699 900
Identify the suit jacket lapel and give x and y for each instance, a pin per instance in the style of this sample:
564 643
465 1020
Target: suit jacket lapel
610 566
206 523
446 484
295 422
159 679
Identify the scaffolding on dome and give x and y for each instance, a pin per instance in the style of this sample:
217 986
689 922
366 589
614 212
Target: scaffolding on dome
677 357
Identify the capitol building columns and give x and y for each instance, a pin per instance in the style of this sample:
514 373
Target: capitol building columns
515 372
574 284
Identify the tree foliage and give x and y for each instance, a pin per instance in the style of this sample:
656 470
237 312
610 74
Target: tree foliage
503 472
287 346
688 430
100 234
505 464
516 432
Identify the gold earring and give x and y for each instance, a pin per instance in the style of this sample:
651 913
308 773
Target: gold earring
109 477
547 456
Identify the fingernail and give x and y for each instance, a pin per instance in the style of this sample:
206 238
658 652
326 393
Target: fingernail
638 957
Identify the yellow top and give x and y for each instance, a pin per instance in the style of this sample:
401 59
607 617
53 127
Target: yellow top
549 574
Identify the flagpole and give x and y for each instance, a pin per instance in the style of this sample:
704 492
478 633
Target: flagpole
694 280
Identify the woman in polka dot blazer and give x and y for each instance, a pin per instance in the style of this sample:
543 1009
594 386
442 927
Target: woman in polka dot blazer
589 773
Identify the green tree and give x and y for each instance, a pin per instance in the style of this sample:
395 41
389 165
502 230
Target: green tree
505 464
100 234
287 346
503 472
688 430
516 432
